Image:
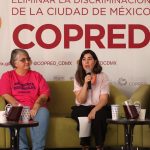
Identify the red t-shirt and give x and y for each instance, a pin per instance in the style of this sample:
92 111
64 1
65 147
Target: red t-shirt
25 89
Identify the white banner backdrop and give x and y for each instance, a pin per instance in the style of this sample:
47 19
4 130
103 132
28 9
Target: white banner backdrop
55 32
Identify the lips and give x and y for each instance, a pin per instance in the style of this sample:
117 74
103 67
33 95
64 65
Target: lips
86 66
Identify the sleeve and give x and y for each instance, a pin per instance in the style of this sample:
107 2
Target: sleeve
77 87
105 84
5 84
43 86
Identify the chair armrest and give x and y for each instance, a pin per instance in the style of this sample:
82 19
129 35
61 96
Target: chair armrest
117 97
2 103
142 94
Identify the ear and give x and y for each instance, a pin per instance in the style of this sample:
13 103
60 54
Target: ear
15 64
31 62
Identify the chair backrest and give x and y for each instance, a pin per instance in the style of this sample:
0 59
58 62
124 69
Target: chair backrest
62 97
116 95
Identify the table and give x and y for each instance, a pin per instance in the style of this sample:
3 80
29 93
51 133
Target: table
14 131
128 129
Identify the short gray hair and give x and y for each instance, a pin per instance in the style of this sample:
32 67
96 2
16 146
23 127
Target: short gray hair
15 53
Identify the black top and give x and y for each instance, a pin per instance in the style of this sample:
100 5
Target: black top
18 124
129 121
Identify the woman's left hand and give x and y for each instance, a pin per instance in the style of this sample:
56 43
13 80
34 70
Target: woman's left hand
34 110
92 114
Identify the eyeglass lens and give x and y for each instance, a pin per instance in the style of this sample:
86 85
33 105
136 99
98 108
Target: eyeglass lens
25 59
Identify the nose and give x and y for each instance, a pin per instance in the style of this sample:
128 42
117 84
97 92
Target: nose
87 61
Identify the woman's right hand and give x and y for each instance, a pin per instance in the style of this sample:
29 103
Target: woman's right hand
87 78
16 103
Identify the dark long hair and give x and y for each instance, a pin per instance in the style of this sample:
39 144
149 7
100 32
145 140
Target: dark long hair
80 73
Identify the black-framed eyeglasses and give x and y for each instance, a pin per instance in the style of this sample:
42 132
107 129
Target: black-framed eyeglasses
25 59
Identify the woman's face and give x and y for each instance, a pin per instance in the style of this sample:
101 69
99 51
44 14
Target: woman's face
23 62
88 62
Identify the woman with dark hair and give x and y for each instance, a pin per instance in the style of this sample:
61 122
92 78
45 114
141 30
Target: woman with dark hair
23 86
91 88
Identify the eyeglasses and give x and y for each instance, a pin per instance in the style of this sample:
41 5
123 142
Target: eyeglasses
25 59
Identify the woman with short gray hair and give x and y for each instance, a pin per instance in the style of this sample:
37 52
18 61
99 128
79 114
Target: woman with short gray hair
22 86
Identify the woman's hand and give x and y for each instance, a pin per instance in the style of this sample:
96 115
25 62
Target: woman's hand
87 78
92 114
34 110
91 78
41 100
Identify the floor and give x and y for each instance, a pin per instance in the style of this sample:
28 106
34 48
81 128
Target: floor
106 148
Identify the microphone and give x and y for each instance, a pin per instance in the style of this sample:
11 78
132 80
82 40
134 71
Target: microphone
88 72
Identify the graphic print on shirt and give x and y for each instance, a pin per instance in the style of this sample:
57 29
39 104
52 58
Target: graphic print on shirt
24 87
